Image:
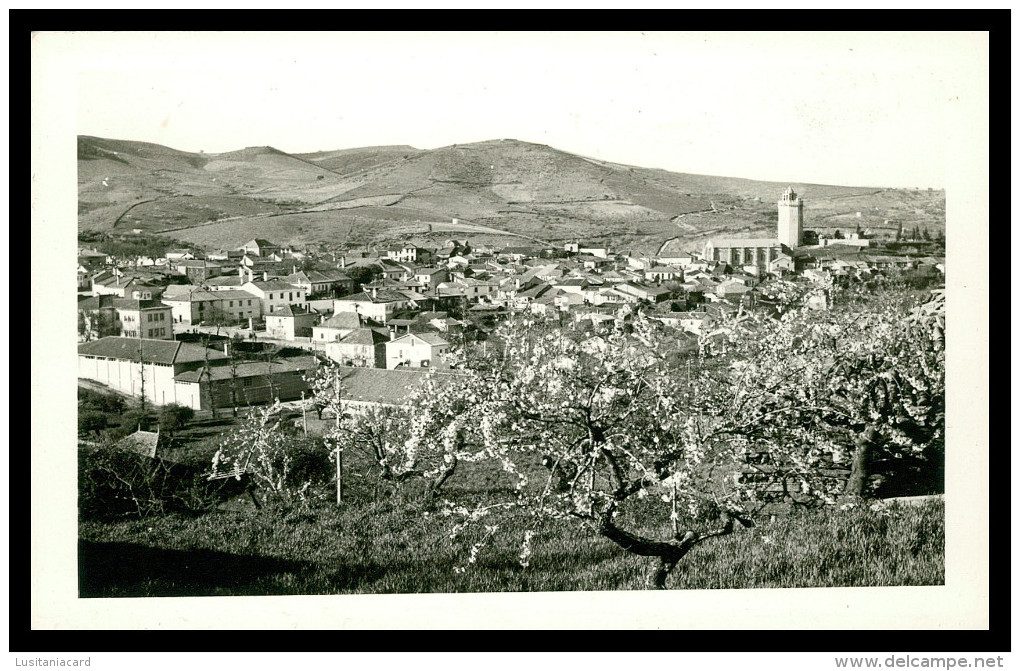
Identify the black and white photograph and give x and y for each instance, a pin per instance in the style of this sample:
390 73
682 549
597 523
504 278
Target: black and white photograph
654 317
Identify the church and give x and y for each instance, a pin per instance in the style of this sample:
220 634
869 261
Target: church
761 252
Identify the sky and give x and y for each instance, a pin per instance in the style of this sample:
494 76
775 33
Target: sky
862 109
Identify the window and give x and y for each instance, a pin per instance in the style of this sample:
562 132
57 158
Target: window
150 333
270 296
149 315
231 303
246 381
249 305
290 296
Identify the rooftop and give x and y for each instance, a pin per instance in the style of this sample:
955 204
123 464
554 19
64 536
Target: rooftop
366 336
152 351
248 369
744 242
342 320
389 387
433 339
140 442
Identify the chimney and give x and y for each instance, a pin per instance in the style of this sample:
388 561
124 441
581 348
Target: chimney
293 270
375 293
343 262
240 271
265 276
393 333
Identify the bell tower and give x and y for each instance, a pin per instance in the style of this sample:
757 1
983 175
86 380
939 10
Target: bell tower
791 218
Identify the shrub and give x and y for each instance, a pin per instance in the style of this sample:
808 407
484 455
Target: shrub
174 417
134 419
97 401
117 483
91 421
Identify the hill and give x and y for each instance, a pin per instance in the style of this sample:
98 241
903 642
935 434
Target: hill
495 189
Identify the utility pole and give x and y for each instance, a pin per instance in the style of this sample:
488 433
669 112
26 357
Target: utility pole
141 365
339 452
304 415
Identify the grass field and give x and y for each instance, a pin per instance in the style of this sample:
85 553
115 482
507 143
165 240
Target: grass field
401 544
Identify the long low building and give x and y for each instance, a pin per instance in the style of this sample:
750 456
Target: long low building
189 374
759 252
245 383
137 365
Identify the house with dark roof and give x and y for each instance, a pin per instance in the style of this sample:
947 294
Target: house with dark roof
336 327
428 278
360 347
109 315
440 321
290 322
653 294
276 294
260 247
142 365
126 286
321 284
571 285
379 305
417 350
226 306
664 274
197 270
91 260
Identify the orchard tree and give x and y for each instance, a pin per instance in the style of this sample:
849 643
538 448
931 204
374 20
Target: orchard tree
425 439
623 422
633 429
816 394
260 448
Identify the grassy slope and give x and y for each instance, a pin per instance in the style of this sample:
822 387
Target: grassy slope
397 544
392 548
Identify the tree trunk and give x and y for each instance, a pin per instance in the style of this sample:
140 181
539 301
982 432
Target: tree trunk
669 553
435 485
861 466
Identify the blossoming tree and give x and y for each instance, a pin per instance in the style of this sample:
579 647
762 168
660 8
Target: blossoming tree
627 421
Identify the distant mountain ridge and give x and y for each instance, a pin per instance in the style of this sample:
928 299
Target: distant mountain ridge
398 192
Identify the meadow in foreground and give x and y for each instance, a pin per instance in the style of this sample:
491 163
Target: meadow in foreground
405 548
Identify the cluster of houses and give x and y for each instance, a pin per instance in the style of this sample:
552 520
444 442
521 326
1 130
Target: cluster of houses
384 314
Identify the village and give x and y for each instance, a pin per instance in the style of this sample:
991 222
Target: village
245 326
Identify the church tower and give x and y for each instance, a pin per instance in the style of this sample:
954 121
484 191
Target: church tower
791 218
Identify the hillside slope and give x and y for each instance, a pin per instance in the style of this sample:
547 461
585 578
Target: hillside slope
378 194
